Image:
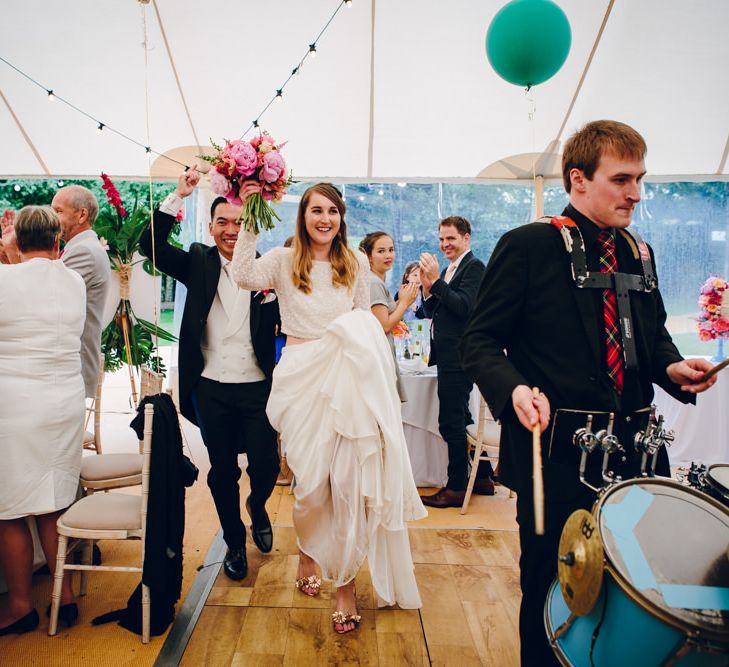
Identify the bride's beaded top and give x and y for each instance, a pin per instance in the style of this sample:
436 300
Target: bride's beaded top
302 315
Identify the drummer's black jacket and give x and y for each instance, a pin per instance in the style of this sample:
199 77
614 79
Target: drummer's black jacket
532 325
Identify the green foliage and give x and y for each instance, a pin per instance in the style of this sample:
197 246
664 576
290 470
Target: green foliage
122 233
141 341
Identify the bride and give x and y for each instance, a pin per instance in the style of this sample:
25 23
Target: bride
335 403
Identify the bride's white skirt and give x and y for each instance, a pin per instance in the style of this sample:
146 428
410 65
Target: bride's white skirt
335 404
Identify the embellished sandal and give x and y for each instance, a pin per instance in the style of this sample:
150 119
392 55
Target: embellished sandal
342 618
310 583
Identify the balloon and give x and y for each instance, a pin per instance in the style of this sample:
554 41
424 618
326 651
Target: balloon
528 41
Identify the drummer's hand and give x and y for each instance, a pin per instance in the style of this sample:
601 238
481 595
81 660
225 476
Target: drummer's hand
529 408
687 373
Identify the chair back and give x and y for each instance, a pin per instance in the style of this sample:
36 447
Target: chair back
151 383
146 462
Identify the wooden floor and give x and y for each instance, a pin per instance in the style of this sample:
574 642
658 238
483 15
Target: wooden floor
466 566
468 579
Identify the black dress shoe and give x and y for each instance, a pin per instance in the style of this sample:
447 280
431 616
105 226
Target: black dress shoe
27 623
67 613
235 564
445 498
484 487
260 528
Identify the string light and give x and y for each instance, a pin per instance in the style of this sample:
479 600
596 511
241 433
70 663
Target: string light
59 182
148 149
16 187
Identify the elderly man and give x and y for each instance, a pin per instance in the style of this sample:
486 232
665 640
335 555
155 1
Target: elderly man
77 209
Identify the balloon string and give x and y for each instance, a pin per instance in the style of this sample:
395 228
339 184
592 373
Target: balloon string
531 112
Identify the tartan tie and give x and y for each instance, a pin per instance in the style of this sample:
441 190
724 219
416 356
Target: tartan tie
613 339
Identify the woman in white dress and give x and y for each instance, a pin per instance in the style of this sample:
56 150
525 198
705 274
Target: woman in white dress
42 312
334 402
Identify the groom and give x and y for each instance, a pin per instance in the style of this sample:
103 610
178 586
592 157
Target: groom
227 352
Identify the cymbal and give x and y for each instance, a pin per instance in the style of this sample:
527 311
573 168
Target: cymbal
581 562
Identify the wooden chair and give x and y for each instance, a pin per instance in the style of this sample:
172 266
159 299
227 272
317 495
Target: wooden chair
483 444
116 471
92 439
105 516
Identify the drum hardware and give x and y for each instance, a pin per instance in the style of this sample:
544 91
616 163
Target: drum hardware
580 563
696 475
586 440
609 444
650 441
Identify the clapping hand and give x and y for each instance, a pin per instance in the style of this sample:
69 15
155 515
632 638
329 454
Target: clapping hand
429 270
408 293
187 182
9 253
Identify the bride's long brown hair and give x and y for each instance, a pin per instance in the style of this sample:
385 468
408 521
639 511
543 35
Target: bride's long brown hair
342 258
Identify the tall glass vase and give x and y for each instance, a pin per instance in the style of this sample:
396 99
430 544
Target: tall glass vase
719 356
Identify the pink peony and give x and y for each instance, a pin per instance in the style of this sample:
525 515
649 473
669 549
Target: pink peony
273 167
256 141
244 155
219 184
705 336
721 325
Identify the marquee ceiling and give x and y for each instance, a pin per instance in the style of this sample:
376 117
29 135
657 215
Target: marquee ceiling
399 90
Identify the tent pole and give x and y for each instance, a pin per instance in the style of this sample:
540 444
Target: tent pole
538 197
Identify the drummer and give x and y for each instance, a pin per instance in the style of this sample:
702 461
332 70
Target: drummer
544 319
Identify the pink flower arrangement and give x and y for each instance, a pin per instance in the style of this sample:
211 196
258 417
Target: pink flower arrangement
400 330
259 161
712 322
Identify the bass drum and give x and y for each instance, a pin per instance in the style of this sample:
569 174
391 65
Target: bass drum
665 594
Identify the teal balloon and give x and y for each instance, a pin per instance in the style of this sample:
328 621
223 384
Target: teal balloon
528 41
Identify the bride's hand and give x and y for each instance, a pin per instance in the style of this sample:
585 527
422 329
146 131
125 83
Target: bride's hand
247 189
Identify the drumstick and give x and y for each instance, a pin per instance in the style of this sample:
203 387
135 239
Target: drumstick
714 370
537 474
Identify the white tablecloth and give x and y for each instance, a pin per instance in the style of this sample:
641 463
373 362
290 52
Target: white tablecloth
702 431
428 452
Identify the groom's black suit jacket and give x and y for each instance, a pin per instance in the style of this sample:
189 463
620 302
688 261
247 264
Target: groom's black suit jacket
199 270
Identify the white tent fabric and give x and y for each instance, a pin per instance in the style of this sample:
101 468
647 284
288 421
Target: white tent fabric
432 109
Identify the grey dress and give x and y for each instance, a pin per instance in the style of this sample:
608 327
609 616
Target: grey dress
380 295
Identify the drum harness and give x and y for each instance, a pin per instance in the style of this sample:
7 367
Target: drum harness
649 441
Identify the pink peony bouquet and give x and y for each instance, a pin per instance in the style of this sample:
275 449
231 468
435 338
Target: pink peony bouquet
258 160
713 322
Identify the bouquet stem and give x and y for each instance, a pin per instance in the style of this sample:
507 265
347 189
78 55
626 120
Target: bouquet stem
257 214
